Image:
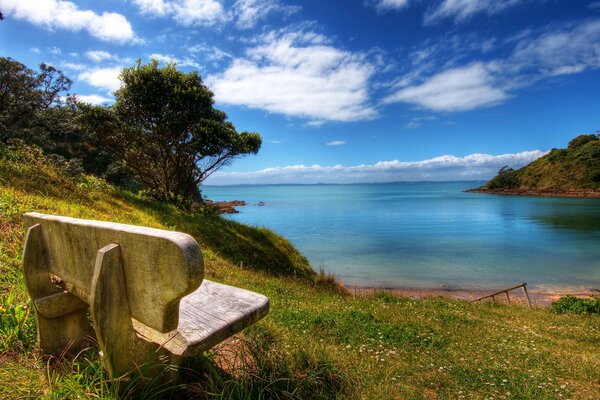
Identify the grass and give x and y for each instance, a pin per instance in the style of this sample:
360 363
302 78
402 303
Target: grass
317 342
576 167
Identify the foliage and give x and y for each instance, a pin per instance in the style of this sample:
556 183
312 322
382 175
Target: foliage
506 179
16 326
24 94
577 305
164 127
574 168
582 139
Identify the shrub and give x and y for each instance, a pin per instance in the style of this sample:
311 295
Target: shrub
506 179
572 304
582 139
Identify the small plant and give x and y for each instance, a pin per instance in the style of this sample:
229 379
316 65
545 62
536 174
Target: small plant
328 281
572 304
15 325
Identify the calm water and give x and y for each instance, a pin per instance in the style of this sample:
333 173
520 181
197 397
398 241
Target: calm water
430 234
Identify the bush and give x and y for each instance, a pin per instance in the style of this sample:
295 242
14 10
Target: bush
506 179
572 304
582 139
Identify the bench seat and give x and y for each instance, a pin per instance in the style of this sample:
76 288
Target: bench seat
208 316
142 288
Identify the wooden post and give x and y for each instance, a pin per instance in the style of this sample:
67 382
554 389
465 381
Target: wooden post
507 297
526 294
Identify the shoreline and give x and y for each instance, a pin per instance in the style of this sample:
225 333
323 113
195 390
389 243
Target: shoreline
539 297
571 193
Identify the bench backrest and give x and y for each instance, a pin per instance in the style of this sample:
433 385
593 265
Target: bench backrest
160 267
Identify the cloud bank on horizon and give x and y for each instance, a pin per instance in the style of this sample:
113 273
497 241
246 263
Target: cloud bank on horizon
474 167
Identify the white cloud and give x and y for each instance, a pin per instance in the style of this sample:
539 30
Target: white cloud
298 74
564 50
443 168
249 12
94 99
559 52
462 10
100 55
61 14
390 4
35 50
181 62
157 8
103 78
335 143
456 89
209 53
185 12
74 66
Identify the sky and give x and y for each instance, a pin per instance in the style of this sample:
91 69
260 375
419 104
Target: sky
346 91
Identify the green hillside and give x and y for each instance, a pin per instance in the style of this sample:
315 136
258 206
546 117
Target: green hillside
317 342
574 170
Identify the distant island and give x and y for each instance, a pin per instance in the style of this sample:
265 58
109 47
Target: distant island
570 172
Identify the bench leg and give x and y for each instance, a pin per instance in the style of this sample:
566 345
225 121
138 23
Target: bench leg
121 349
59 328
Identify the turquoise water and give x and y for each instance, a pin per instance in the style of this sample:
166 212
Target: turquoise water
430 234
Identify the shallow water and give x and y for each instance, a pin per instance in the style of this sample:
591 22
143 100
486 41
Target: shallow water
430 234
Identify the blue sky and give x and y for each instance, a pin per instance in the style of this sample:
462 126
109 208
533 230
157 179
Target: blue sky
349 90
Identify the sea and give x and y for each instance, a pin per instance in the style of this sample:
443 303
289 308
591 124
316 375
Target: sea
430 235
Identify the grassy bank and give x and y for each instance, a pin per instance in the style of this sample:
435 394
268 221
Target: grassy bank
570 172
316 342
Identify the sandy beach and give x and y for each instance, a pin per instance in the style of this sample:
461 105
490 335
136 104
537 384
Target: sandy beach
539 298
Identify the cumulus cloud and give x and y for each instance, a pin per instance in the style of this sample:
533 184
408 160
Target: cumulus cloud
103 78
185 12
94 99
443 168
335 143
249 12
298 74
456 89
462 10
61 14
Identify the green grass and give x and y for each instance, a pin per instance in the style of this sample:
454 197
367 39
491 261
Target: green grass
317 341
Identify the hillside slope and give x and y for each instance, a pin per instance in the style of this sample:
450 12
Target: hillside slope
315 343
574 171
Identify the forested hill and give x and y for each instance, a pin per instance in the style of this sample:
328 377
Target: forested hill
573 172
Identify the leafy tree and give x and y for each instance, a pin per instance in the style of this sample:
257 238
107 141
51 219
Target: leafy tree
24 94
165 129
506 179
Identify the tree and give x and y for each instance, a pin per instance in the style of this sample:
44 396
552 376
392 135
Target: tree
506 179
24 94
165 129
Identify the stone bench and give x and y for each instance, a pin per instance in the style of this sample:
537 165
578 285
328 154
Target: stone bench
143 289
